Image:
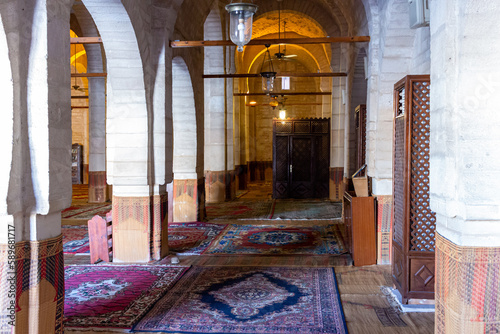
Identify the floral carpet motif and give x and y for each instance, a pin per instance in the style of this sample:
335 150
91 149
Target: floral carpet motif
114 296
75 239
249 300
266 239
192 238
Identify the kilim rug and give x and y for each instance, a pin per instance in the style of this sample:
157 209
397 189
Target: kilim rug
85 212
75 239
281 239
303 209
114 296
249 300
192 238
240 210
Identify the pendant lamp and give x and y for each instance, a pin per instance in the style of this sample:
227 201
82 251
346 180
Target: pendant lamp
240 22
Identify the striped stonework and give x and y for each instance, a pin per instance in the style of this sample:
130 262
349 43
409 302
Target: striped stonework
467 288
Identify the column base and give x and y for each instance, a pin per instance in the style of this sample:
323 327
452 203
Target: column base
40 286
467 288
140 232
384 229
188 200
259 171
98 188
336 184
220 186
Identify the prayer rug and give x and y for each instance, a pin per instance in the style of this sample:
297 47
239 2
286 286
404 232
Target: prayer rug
114 296
281 239
192 238
303 209
249 300
75 239
239 210
85 212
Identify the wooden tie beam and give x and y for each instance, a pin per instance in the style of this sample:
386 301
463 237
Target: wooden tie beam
283 93
279 75
281 41
85 40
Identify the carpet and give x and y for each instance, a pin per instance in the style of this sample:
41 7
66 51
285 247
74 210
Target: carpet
281 239
85 212
239 210
192 238
304 209
75 239
80 192
249 300
114 296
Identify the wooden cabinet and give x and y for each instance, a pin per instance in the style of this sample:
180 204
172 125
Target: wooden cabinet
413 268
301 158
359 218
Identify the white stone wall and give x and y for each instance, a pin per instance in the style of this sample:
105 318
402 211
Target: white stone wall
465 141
184 121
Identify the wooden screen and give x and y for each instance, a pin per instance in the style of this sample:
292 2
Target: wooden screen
301 158
360 114
414 222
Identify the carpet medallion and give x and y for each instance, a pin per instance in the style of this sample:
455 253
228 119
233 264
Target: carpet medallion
114 296
249 300
266 239
75 239
192 238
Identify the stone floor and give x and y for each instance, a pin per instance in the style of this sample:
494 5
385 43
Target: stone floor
366 307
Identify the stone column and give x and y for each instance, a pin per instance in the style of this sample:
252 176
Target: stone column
464 173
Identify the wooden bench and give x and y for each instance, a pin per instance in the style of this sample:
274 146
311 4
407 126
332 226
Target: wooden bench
100 238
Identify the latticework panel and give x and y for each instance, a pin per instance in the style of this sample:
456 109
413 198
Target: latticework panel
302 127
281 159
399 177
422 219
319 126
301 158
283 127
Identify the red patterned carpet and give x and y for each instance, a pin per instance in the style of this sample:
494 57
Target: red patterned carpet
192 238
75 239
114 296
250 300
279 240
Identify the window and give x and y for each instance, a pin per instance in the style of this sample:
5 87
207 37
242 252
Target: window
285 82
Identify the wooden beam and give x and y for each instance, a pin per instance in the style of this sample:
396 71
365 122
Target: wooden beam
287 104
80 97
88 75
279 75
283 93
85 40
316 40
79 107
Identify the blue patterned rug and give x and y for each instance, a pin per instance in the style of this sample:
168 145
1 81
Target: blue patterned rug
249 300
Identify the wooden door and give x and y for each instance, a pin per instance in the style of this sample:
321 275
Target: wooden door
301 158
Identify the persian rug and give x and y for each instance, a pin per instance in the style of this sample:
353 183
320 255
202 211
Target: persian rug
114 296
240 210
85 212
249 300
192 238
75 239
281 239
304 209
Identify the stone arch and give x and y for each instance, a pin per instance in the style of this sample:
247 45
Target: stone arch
126 115
98 190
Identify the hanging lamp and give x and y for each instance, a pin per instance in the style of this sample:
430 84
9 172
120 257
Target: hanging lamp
267 72
240 22
282 109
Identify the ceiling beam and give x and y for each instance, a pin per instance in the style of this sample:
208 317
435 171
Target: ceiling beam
287 104
80 97
88 75
257 41
279 75
85 40
283 93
